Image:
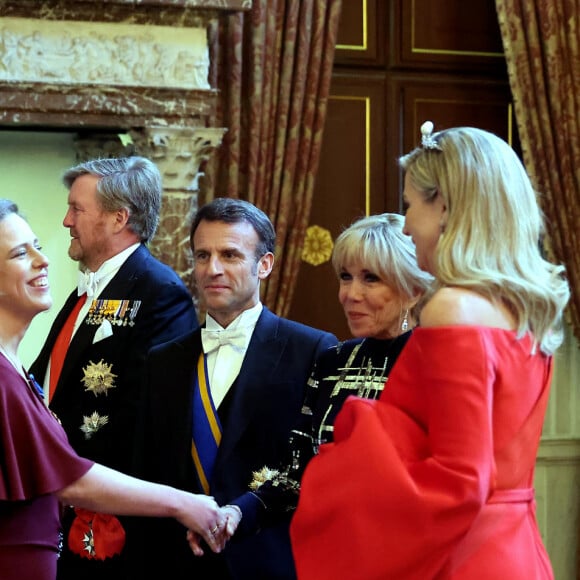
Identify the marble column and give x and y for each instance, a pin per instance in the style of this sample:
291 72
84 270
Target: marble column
180 153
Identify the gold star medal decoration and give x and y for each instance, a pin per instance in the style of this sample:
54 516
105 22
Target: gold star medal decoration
92 423
98 377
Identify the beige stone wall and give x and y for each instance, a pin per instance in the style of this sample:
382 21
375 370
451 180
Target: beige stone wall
557 480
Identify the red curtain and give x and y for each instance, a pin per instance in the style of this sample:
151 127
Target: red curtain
273 68
542 49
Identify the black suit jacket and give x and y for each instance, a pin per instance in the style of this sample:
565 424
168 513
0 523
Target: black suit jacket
166 311
256 415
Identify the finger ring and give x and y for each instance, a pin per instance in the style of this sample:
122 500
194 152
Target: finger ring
217 527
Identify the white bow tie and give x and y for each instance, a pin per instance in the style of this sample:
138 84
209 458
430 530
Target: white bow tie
213 339
88 282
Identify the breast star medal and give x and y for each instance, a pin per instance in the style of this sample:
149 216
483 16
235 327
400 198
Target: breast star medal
89 543
98 377
93 423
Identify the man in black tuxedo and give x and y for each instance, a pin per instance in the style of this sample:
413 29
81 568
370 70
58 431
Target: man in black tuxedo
127 301
256 365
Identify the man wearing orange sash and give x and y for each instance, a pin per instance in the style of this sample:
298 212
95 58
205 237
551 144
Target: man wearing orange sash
222 400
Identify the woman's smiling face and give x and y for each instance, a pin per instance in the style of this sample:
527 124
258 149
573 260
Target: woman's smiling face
24 288
372 308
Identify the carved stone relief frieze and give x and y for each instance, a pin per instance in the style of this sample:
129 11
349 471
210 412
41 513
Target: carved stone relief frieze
93 53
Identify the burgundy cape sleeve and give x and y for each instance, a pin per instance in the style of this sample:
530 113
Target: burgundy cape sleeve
36 456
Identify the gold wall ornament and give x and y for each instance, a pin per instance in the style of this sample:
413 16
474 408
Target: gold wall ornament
318 246
98 377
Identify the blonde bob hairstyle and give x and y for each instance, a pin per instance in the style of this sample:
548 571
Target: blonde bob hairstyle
491 240
377 243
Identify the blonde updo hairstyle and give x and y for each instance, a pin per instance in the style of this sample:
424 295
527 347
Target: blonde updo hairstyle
491 239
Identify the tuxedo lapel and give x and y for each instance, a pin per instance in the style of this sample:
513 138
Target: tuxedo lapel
125 279
41 363
178 373
60 320
120 286
259 366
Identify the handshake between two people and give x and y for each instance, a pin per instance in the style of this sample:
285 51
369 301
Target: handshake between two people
215 531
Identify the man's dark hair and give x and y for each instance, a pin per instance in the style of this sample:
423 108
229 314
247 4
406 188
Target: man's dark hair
233 211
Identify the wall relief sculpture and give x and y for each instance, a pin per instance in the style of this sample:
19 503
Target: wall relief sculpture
103 54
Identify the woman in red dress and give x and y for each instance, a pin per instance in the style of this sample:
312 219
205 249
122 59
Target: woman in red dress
434 480
39 470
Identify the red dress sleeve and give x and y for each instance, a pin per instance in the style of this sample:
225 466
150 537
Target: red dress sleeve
36 456
406 475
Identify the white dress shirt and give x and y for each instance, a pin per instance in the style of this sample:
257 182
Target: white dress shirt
225 362
101 278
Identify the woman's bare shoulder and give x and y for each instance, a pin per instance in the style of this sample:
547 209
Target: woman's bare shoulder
462 306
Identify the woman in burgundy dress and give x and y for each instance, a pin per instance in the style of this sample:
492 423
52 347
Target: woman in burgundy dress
38 468
434 479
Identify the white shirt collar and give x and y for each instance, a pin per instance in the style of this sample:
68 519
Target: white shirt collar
246 320
95 283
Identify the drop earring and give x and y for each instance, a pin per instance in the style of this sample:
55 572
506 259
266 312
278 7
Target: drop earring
405 323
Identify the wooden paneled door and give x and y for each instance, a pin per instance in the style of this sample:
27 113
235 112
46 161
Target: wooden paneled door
397 63
351 173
